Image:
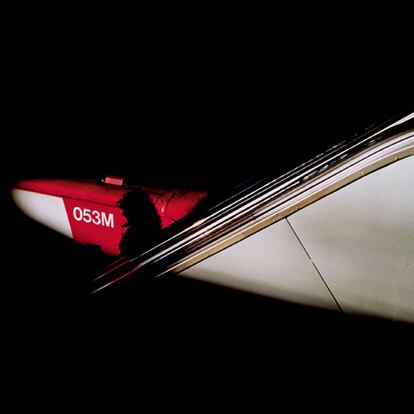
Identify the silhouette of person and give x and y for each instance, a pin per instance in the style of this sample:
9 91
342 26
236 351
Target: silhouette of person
143 222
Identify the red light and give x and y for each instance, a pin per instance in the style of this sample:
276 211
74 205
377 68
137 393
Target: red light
112 180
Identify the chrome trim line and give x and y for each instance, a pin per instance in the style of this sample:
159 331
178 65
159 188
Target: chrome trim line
262 203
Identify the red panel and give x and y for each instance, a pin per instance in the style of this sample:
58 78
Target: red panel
178 206
96 224
79 189
170 204
94 213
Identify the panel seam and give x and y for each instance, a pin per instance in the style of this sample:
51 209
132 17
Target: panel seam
314 265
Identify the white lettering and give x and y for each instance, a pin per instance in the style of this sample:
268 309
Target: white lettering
87 218
77 213
96 217
107 221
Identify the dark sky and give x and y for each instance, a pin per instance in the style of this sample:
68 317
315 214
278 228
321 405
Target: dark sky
195 97
201 92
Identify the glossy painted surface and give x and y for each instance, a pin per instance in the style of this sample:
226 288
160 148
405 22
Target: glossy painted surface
361 238
171 204
97 224
78 189
270 262
45 209
355 247
87 223
90 212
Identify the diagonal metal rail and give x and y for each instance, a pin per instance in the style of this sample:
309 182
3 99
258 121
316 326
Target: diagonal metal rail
248 202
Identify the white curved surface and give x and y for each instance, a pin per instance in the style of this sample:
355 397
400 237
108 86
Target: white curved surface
45 209
361 238
270 262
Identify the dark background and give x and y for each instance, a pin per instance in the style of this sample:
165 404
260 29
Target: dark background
200 98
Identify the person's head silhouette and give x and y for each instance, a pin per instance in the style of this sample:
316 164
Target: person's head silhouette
143 222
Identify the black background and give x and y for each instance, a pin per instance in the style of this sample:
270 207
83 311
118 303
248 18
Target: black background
198 98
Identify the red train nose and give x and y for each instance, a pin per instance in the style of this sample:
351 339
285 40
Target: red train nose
91 212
